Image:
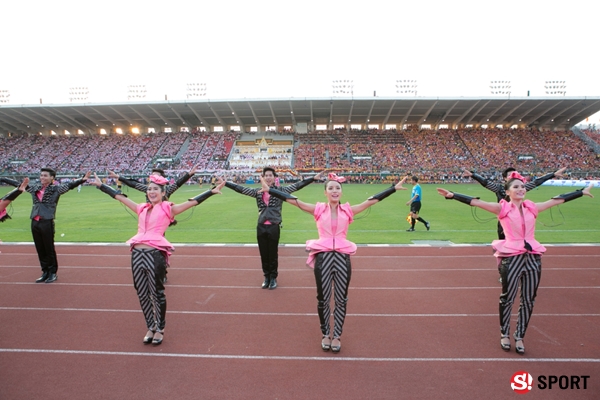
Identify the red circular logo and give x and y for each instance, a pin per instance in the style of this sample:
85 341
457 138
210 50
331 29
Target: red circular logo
521 382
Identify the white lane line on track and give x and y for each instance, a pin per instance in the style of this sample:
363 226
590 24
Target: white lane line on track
300 287
304 269
289 314
300 358
400 256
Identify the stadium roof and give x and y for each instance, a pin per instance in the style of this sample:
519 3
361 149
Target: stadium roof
544 113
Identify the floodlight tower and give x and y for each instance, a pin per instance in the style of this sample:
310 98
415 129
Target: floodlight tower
500 87
195 90
558 88
341 87
78 93
136 92
4 96
406 86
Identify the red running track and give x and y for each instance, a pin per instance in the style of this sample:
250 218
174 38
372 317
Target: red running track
422 323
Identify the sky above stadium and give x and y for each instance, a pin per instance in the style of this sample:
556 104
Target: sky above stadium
277 49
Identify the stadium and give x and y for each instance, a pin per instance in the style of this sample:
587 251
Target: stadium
422 313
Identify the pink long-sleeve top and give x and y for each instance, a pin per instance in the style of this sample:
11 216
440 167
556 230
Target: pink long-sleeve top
518 229
332 234
152 226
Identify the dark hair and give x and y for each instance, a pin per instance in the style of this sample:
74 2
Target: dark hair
414 178
160 171
507 171
50 171
331 180
265 169
507 184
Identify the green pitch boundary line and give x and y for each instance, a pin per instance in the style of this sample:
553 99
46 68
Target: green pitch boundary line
436 244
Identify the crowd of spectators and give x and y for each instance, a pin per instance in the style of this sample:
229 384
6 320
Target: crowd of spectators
593 134
366 155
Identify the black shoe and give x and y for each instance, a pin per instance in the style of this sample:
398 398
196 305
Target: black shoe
410 230
273 284
427 225
51 278
266 283
42 278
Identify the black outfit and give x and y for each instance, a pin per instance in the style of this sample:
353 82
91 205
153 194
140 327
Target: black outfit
267 235
498 189
42 221
169 189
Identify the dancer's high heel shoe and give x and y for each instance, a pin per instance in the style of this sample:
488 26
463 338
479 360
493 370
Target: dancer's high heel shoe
149 336
505 343
158 337
326 343
520 349
336 345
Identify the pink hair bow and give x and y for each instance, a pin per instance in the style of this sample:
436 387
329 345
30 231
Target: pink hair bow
159 180
333 177
515 175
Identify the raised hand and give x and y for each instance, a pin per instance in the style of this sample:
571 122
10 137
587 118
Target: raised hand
24 184
265 186
217 189
587 191
446 193
399 184
560 172
96 181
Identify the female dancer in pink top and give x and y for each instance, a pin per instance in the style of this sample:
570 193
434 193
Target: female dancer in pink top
330 253
519 254
150 249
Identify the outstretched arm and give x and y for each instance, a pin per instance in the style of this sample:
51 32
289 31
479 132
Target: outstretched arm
128 182
563 198
494 208
486 183
179 208
12 195
64 188
539 181
284 196
357 209
115 194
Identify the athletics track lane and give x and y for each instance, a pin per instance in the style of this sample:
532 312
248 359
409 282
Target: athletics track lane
422 323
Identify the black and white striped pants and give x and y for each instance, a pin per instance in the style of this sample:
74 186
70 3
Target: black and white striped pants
148 267
524 270
332 272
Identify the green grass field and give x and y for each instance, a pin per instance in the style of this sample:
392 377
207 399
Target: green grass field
92 216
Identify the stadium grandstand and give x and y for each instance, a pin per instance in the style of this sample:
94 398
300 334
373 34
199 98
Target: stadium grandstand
367 139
